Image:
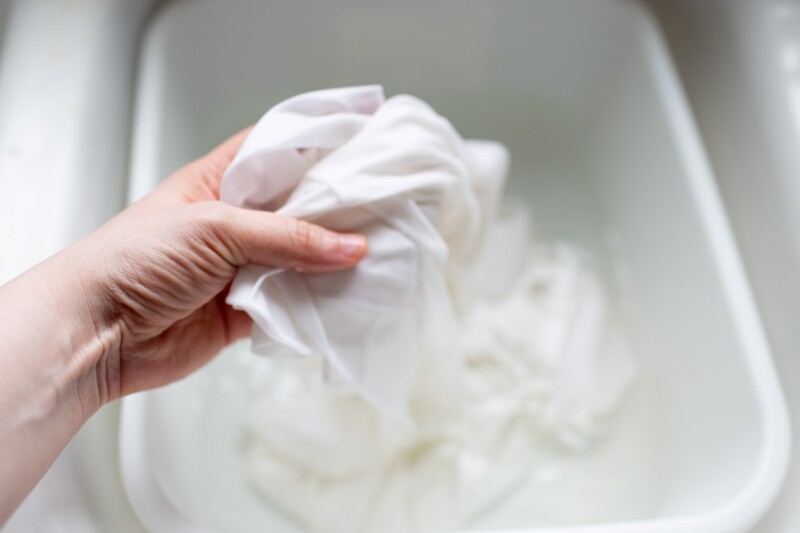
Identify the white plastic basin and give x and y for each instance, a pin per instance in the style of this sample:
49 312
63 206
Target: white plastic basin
606 153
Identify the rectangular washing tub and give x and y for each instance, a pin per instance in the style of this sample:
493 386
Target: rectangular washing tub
605 152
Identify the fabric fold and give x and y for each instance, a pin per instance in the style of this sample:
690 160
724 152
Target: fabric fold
398 173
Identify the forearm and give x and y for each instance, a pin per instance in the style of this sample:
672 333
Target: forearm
49 366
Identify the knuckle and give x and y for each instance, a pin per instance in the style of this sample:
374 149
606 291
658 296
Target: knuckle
303 236
213 214
212 222
205 218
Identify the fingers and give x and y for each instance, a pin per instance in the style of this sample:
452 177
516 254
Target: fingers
247 236
270 239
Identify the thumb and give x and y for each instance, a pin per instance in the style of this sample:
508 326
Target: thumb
267 238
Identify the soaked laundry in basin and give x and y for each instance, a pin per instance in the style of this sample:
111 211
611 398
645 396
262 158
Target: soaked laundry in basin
454 351
543 365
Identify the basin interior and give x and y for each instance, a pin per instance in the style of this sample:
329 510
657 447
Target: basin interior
584 97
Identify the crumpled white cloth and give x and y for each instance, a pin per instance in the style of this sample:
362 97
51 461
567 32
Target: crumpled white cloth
490 343
396 172
543 362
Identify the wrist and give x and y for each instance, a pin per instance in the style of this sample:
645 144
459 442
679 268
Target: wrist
91 326
66 345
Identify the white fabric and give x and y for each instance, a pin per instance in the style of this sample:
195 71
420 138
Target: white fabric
488 343
394 171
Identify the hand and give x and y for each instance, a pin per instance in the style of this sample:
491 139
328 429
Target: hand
160 270
137 304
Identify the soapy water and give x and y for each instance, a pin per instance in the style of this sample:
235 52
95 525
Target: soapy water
546 367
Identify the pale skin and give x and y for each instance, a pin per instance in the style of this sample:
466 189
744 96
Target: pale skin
135 305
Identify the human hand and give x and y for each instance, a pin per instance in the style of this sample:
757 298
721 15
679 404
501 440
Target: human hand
156 276
135 305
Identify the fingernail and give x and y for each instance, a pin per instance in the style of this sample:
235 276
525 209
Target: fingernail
351 245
